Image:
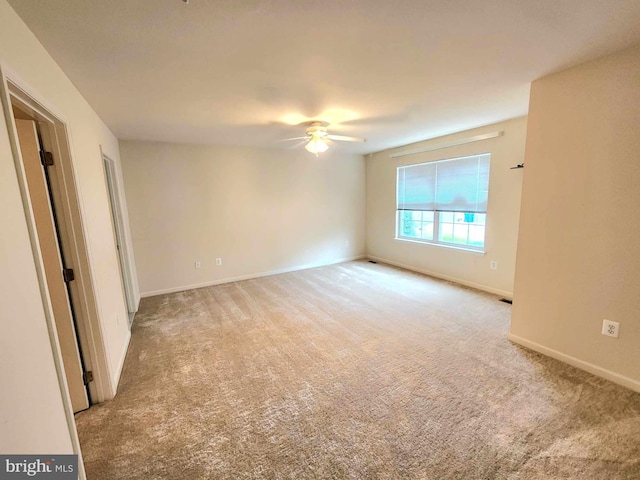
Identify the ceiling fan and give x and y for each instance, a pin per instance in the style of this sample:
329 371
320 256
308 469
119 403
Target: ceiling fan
317 135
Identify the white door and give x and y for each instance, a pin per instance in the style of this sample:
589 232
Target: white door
53 258
118 228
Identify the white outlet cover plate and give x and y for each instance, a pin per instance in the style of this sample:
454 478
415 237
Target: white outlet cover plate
610 329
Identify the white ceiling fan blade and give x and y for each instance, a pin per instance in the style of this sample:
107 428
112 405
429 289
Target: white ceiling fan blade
297 145
342 138
295 138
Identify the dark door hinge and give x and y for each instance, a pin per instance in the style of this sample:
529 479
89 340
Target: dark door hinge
46 158
68 275
87 377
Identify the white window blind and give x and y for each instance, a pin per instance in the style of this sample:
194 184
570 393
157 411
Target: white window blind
453 185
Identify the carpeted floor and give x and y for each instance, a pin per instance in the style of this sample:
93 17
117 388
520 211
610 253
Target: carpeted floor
356 371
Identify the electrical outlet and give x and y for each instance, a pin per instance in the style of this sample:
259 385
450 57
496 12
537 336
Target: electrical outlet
218 261
346 243
198 264
610 329
493 264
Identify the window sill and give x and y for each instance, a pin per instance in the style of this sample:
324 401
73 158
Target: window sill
442 245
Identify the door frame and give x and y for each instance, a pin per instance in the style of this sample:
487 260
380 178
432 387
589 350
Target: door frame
120 239
13 91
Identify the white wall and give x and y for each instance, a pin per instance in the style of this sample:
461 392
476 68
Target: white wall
31 413
260 210
469 268
578 258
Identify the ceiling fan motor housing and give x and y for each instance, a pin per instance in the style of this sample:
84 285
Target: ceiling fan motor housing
317 129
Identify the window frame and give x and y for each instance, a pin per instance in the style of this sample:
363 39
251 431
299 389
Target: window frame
436 234
435 240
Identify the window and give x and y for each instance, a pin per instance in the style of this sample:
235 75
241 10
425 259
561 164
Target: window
444 202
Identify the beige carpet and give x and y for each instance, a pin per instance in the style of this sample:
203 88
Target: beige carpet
357 371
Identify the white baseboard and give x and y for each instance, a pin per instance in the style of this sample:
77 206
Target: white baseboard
576 362
461 281
248 277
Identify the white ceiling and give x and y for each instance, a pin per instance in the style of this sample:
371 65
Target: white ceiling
393 71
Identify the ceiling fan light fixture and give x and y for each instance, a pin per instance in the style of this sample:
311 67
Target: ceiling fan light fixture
316 145
317 137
